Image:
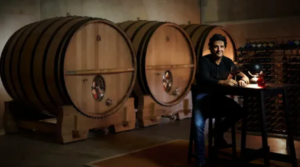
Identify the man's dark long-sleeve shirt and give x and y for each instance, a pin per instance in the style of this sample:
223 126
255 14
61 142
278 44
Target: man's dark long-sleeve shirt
210 73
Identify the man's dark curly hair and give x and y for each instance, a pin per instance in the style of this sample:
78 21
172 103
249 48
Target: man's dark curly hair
217 37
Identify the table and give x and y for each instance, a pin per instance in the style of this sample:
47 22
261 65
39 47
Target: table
259 92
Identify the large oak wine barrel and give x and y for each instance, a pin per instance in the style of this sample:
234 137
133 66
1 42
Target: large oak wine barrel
165 60
81 61
200 35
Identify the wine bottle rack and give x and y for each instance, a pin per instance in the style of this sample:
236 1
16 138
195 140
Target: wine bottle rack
281 64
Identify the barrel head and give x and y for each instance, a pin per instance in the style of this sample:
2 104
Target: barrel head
99 69
169 64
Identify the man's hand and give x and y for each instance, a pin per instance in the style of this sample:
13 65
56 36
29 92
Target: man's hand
242 83
246 79
228 82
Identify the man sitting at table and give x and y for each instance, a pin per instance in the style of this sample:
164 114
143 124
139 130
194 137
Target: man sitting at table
214 69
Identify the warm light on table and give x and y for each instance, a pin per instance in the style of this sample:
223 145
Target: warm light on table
253 86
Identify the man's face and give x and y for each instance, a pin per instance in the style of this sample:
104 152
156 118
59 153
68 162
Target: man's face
218 48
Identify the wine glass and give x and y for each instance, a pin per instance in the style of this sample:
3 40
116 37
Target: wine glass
234 71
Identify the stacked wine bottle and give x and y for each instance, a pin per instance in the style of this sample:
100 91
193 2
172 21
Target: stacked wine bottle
281 64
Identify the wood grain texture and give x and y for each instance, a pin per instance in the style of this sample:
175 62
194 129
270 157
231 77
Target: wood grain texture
36 58
161 47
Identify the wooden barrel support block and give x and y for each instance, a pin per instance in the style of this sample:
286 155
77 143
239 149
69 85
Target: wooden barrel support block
69 125
86 62
166 60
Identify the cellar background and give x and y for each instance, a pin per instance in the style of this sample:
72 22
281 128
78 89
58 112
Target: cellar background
243 19
246 20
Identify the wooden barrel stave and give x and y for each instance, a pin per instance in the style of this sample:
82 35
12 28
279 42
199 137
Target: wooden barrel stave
27 65
138 38
39 63
15 62
141 34
6 78
46 54
135 31
132 29
22 73
50 67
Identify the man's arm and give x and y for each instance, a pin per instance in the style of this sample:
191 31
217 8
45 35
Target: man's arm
241 74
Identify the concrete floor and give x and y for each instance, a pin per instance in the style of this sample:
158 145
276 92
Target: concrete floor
34 150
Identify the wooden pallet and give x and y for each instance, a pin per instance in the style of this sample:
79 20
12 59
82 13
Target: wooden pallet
150 113
70 125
